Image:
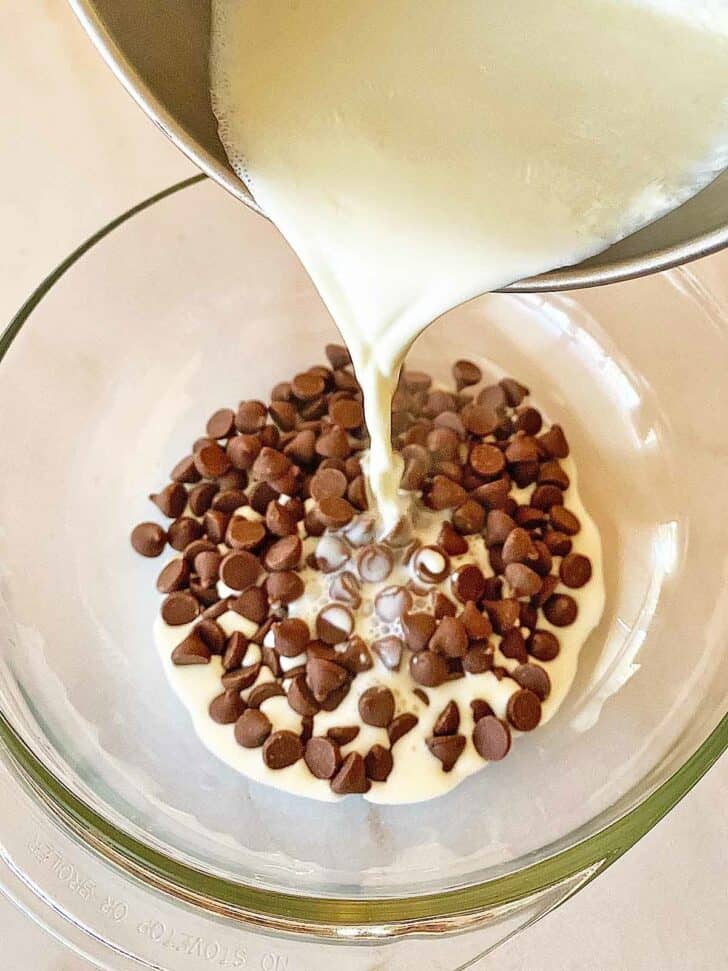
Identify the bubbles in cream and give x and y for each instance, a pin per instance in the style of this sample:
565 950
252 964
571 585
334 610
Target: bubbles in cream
416 153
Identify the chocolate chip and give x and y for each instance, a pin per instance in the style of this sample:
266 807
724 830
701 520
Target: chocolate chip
450 638
328 484
291 636
282 749
524 710
476 623
543 645
338 356
513 645
174 576
351 777
469 517
443 444
376 706
503 614
389 650
551 473
301 698
447 749
324 677
493 495
418 628
148 539
284 587
522 448
212 461
243 450
378 763
354 655
239 570
523 581
345 588
479 419
575 570
185 471
430 564
444 493
251 604
451 541
478 659
307 386
498 526
227 707
480 709
252 728
428 669
422 695
241 678
245 534
529 420
554 443
280 519
284 554
212 634
207 567
347 413
270 465
171 501
235 651
560 610
179 608
514 392
465 374
441 605
491 738
564 521
374 563
333 443
322 756
192 650
448 721
344 734
400 726
487 461
468 583
335 512
534 678
559 544
334 624
356 493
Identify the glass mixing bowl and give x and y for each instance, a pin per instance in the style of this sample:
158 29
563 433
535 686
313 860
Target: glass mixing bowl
130 840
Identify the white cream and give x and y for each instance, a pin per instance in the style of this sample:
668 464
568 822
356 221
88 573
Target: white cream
418 152
416 775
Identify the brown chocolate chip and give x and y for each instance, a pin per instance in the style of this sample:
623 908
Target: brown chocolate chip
376 706
543 645
328 484
284 587
493 495
262 692
171 501
280 519
546 496
498 526
479 659
491 738
324 677
227 707
450 638
185 471
487 461
443 444
322 756
564 521
422 695
442 606
453 421
221 424
270 465
333 443
174 576
524 710
307 386
252 604
192 650
148 539
200 498
523 581
418 628
212 461
356 493
550 583
513 645
560 610
229 500
529 420
252 728
575 570
284 554
347 413
444 493
335 512
554 442
428 669
343 734
534 678
469 517
212 634
243 450
518 547
476 623
503 614
451 541
479 419
338 356
351 777
529 616
282 749
291 636
354 655
400 726
559 544
239 570
235 651
179 608
522 448
245 534
241 678
389 650
251 416
480 709
283 414
378 763
430 564
448 721
514 391
300 697
468 583
447 748
207 567
183 531
551 473
334 624
465 374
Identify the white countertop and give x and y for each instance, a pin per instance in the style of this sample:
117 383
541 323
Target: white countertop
77 151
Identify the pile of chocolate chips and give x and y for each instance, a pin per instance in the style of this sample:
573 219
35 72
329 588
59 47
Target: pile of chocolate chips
295 462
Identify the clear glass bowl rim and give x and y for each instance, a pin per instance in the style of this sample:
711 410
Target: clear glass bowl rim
590 855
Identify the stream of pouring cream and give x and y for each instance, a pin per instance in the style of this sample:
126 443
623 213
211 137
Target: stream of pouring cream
416 153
